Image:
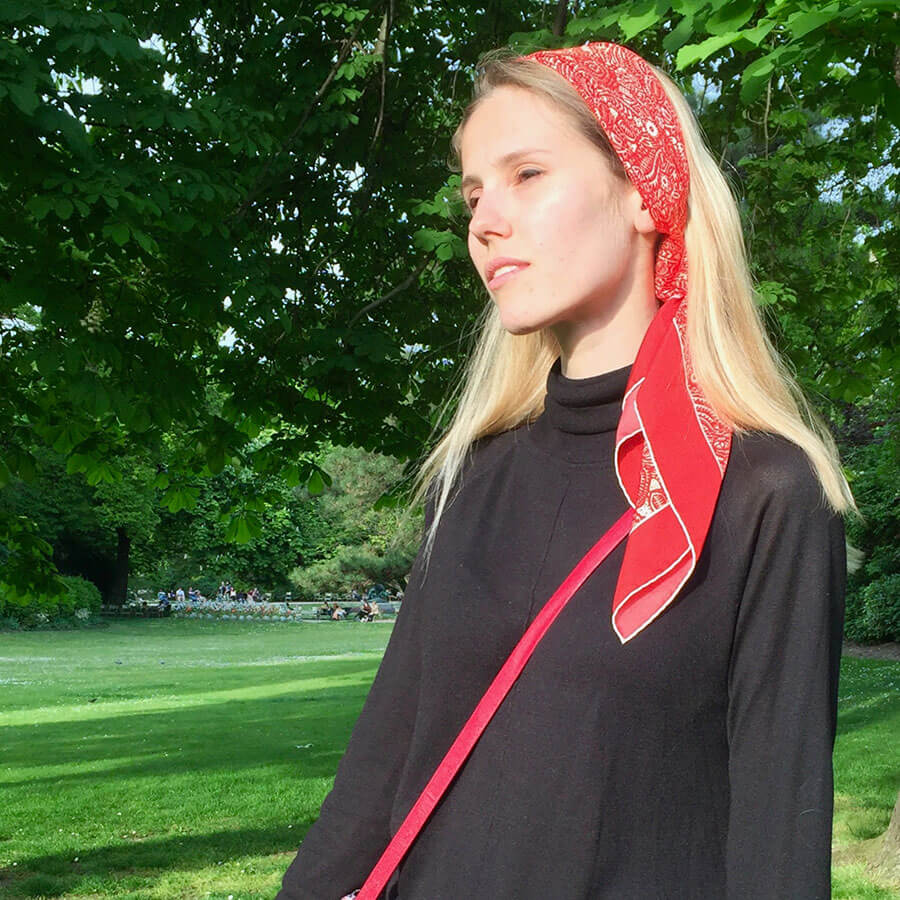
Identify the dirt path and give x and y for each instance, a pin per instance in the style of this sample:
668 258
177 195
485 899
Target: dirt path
872 651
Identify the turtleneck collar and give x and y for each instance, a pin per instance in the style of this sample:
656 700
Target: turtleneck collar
580 415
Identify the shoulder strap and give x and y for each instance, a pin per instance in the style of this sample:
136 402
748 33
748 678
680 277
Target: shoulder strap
487 706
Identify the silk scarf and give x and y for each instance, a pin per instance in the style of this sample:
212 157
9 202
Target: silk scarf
671 450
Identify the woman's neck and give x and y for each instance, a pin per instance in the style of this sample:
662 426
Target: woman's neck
609 340
593 347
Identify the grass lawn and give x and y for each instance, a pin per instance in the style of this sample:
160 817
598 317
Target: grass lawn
185 759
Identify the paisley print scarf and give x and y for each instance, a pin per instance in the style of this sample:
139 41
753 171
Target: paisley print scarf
671 449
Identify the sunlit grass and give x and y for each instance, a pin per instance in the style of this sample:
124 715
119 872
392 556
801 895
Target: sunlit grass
166 759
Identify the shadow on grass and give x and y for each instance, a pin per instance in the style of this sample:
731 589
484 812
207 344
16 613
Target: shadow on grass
58 873
226 735
867 714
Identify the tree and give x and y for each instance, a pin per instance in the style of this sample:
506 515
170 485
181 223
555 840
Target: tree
253 202
90 528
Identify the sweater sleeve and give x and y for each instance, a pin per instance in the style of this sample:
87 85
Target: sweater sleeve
782 689
353 829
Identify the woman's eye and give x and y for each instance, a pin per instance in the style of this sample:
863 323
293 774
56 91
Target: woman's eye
524 175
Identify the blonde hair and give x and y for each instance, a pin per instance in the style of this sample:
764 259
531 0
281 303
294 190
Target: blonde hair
749 387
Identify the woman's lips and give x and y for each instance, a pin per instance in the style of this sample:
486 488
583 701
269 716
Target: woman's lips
505 273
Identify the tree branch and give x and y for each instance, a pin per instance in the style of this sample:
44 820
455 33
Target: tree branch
381 47
255 188
393 292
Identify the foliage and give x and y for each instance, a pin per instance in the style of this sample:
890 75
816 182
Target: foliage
80 521
236 224
873 460
296 531
189 548
361 544
876 611
39 609
353 568
82 594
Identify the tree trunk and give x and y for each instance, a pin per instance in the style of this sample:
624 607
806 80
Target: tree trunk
888 860
562 14
119 583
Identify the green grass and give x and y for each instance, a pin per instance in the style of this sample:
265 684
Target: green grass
185 759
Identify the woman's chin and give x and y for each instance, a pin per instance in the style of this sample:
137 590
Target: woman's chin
521 324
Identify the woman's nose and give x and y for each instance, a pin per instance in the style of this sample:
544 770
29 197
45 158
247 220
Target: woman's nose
490 216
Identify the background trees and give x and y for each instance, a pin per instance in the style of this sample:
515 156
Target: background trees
236 226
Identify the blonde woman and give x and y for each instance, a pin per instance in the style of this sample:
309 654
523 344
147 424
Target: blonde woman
671 735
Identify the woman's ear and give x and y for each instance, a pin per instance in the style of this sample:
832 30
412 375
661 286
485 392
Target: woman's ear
643 221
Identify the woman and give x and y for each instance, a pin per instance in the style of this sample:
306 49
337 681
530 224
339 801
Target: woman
671 736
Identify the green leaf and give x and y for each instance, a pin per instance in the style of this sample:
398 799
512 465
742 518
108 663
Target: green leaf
731 17
756 35
757 74
106 46
71 435
292 475
243 527
136 416
316 484
146 242
689 7
39 206
801 24
24 97
118 231
639 18
100 400
21 462
387 500
103 471
694 53
64 208
426 239
47 362
679 35
181 497
215 459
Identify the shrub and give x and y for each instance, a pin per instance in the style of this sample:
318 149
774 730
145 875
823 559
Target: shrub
353 568
81 594
43 609
881 609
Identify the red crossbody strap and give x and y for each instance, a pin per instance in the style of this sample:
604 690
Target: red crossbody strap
487 706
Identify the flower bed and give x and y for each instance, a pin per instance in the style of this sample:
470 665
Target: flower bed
232 611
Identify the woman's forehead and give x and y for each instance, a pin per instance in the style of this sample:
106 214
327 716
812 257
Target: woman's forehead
509 109
510 124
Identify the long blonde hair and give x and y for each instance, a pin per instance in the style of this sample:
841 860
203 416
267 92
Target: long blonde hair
749 387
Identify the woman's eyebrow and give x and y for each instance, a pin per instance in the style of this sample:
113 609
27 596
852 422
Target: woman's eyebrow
502 161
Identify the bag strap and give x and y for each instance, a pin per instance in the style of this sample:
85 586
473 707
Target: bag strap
487 706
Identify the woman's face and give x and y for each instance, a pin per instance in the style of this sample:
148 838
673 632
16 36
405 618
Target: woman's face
542 194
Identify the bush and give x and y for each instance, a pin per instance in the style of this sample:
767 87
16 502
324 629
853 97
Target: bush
352 568
873 592
41 609
82 594
881 609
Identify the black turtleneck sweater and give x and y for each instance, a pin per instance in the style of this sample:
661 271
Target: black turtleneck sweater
692 762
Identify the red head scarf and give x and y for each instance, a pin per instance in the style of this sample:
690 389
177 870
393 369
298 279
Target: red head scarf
671 449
